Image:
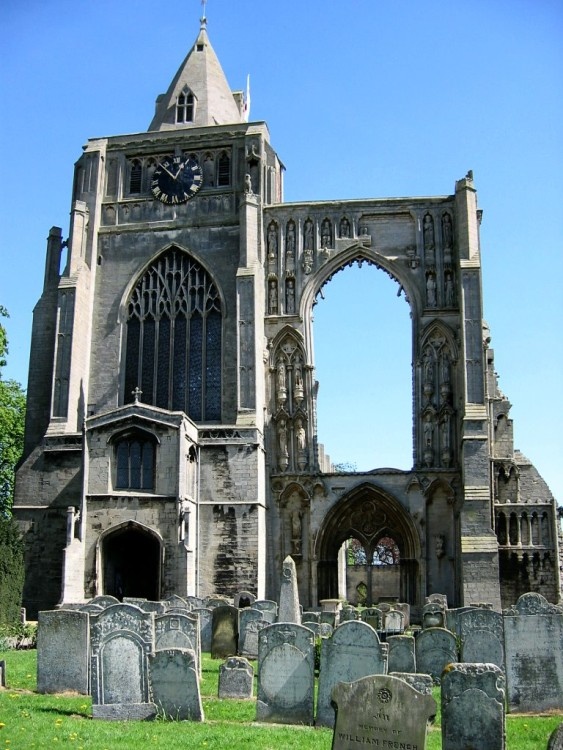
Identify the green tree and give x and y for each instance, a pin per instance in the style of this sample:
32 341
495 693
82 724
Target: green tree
11 571
12 419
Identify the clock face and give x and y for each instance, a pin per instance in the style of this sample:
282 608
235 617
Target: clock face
176 179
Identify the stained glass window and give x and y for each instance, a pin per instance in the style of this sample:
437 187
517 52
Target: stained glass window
134 463
174 338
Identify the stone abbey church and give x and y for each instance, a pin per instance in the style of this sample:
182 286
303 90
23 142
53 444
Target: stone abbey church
171 442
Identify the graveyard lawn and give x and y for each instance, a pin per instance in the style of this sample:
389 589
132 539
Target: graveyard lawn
31 720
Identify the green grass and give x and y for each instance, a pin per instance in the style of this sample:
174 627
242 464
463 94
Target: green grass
31 720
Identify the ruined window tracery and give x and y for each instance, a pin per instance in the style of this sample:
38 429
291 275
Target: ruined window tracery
174 338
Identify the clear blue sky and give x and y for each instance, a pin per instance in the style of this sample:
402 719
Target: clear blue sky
363 99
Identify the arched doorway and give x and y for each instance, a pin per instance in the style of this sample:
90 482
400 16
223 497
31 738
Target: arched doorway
131 561
372 517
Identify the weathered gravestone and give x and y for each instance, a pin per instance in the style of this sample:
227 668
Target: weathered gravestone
175 602
435 648
556 739
373 616
250 623
481 633
286 674
348 613
121 639
244 599
2 673
473 697
352 652
178 630
380 711
421 682
533 645
393 621
289 609
452 618
310 617
195 602
433 615
174 684
401 653
104 601
63 646
224 631
268 607
205 627
236 677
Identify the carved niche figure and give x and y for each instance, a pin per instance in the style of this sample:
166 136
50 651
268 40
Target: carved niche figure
281 382
308 246
296 530
344 228
428 438
428 373
290 296
272 242
431 290
450 290
248 184
297 381
440 545
273 297
447 235
301 440
209 171
428 231
282 445
290 238
445 440
326 234
445 387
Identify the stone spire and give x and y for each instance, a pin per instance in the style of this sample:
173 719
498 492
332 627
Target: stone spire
199 94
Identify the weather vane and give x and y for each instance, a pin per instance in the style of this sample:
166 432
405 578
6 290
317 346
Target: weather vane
203 5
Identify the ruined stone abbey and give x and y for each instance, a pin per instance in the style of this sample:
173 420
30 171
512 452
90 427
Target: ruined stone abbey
171 442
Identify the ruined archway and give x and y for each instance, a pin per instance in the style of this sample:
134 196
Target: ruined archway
130 559
368 514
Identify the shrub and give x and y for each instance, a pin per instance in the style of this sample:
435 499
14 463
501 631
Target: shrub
11 572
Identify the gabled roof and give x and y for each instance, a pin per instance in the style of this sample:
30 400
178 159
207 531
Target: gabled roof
201 75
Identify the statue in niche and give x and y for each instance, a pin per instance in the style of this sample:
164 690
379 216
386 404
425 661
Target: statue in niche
298 381
447 231
301 439
282 445
296 530
431 290
248 184
344 228
428 232
272 243
428 373
209 171
290 297
440 545
273 297
449 290
445 368
290 239
428 438
281 382
326 234
308 236
445 433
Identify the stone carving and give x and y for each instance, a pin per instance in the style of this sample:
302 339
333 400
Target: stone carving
296 530
301 440
290 245
298 390
431 300
289 610
290 296
449 289
273 297
447 235
272 242
282 445
344 228
326 234
208 169
248 184
281 382
428 437
428 233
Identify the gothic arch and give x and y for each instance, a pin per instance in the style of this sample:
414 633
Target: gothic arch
129 559
368 513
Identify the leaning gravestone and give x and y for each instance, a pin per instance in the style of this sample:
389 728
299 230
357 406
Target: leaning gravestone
236 677
63 645
533 638
286 674
121 639
380 711
435 649
352 652
473 697
174 684
481 633
401 653
224 631
289 609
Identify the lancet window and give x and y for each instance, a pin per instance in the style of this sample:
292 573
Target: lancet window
174 338
185 107
134 461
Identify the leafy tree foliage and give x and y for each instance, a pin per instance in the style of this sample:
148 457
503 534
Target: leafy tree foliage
12 418
11 571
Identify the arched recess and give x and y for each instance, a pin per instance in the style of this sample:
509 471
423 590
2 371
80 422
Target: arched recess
442 535
172 317
130 558
367 514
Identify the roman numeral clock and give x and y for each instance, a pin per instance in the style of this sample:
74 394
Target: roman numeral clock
176 179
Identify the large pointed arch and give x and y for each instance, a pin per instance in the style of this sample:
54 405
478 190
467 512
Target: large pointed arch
172 318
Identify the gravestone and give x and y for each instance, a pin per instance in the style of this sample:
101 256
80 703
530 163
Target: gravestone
121 639
348 613
63 646
175 602
533 635
310 617
393 621
373 616
435 648
2 673
421 682
178 630
452 618
380 711
440 599
224 631
286 674
244 599
174 684
556 739
195 602
236 677
205 627
353 651
104 600
473 698
401 653
217 601
481 632
93 609
251 623
289 609
268 607
433 616
406 610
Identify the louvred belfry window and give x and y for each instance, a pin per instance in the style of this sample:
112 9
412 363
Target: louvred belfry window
185 107
174 338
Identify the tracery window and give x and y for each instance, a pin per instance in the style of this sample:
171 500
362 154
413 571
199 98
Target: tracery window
174 338
134 459
135 177
185 107
224 170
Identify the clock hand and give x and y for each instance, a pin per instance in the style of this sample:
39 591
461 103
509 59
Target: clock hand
168 172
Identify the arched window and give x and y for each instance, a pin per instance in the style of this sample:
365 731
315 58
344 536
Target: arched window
185 107
134 462
224 170
135 180
174 338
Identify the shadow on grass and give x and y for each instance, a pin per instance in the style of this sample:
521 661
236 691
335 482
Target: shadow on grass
63 712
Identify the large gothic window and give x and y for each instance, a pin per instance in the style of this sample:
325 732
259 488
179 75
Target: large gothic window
174 338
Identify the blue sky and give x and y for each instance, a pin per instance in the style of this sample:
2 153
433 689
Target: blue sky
363 99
